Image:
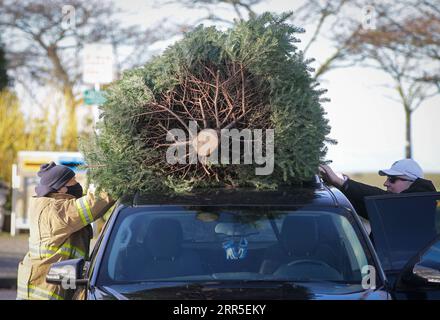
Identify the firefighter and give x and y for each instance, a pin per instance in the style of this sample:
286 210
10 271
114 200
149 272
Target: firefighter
60 218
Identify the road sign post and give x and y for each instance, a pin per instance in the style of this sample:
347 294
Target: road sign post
97 69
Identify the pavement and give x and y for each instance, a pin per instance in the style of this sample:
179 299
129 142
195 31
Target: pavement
12 251
8 294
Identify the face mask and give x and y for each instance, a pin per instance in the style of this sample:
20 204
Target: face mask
76 190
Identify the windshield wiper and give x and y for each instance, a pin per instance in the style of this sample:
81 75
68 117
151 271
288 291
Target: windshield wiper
114 293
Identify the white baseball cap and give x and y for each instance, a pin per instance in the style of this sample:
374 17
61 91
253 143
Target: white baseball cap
404 167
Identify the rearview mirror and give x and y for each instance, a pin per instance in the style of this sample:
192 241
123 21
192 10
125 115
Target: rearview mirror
67 273
235 229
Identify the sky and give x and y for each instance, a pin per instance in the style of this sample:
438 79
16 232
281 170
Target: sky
369 126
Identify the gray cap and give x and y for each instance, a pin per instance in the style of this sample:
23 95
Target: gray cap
404 167
52 178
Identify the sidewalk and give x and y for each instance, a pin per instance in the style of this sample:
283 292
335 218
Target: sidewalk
12 251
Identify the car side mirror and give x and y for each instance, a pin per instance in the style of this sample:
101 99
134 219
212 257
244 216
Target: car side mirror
67 273
428 274
423 270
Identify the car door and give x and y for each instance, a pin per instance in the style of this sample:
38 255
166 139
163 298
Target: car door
402 226
420 278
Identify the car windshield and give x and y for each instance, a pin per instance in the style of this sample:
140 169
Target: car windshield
233 243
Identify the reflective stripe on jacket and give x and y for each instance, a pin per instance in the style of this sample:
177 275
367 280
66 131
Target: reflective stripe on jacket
59 230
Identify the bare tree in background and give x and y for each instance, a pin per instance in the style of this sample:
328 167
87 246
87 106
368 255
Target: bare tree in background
411 28
243 9
322 19
41 50
405 45
319 18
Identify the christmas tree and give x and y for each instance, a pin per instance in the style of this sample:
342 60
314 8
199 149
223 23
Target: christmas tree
162 126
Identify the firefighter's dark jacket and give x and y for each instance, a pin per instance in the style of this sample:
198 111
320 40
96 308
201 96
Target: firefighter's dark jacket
357 191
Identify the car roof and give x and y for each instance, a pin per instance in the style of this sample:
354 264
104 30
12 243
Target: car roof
314 194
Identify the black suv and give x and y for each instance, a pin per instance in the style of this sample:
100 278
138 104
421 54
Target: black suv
294 243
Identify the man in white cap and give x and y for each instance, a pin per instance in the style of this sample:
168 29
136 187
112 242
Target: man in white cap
404 176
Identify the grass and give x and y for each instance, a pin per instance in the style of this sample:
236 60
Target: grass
4 234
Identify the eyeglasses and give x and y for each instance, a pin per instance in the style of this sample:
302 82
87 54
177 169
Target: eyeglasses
393 179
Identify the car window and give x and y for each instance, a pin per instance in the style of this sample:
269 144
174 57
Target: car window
402 225
351 242
191 244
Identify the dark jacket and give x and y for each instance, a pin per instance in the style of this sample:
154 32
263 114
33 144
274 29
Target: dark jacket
357 191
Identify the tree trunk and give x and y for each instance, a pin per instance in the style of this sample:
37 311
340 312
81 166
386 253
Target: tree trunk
70 139
408 151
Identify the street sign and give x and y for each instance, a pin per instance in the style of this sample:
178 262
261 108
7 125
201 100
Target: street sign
98 62
92 97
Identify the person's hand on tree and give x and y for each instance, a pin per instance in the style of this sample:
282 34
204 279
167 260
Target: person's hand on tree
97 191
329 176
